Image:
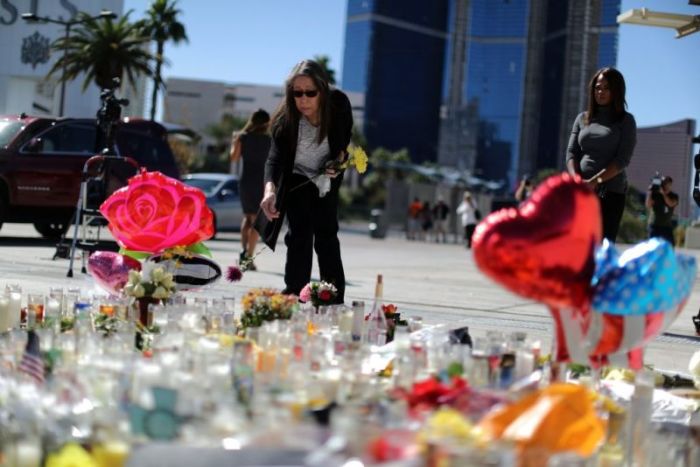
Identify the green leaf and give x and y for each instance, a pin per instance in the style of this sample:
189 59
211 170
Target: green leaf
137 255
200 249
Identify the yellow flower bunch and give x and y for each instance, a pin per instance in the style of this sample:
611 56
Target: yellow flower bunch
266 305
357 157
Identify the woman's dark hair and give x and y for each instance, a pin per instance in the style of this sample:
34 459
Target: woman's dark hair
287 115
258 122
616 84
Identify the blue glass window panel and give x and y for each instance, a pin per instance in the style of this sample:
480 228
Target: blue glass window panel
430 14
607 50
402 104
609 11
359 7
499 18
358 36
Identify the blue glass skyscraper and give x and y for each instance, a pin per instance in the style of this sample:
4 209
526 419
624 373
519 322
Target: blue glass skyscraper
394 53
507 76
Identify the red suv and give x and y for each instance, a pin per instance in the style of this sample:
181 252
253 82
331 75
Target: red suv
42 158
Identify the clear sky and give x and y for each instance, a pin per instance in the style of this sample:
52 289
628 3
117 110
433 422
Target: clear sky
258 41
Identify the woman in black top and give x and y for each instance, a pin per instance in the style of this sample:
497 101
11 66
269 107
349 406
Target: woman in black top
252 145
311 129
601 145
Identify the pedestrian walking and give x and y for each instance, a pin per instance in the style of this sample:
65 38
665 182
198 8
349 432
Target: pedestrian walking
441 213
251 146
467 211
601 145
413 219
426 221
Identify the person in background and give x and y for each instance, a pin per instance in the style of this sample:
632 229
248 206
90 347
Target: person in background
467 210
413 227
524 189
661 201
441 212
310 133
426 221
601 145
251 146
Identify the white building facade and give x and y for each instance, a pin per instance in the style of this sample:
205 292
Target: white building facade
26 57
197 104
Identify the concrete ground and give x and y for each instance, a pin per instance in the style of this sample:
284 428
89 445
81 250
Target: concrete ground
438 282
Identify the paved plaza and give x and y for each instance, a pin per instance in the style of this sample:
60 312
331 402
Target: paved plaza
438 282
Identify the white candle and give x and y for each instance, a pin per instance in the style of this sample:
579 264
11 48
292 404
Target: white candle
345 322
27 455
53 308
15 307
5 316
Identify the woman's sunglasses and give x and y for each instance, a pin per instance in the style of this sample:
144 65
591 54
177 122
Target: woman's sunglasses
298 94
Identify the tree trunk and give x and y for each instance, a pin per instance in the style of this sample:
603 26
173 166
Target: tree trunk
156 78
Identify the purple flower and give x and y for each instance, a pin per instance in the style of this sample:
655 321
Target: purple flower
234 274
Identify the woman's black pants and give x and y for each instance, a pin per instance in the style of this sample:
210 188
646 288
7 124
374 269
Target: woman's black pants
612 205
313 225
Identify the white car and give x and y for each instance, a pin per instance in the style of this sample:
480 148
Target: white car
223 199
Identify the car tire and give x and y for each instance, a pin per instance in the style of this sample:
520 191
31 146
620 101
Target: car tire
51 230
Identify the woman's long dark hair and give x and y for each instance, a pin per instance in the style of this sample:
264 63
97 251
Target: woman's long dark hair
258 122
616 84
287 115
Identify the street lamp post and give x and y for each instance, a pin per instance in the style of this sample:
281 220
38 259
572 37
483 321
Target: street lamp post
34 18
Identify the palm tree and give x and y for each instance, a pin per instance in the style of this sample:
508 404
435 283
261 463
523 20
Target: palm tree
162 26
324 61
103 49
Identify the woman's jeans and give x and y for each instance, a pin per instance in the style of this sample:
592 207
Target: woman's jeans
313 223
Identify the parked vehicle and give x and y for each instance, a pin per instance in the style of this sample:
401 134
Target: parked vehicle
41 162
222 195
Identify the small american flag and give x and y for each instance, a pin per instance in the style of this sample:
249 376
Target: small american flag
32 364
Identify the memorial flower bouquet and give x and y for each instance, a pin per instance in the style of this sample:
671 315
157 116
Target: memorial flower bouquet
156 283
318 293
261 305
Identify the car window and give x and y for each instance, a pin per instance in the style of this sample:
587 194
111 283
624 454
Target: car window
231 185
147 150
206 185
8 130
69 137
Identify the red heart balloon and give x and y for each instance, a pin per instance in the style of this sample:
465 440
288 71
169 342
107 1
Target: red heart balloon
544 249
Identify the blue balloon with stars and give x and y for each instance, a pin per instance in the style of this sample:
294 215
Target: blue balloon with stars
646 278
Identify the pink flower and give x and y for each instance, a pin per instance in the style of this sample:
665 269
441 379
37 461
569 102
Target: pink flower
305 294
155 212
234 274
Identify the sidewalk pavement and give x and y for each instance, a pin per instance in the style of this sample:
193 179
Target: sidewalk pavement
438 282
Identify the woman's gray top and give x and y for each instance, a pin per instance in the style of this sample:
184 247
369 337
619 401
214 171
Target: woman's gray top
601 142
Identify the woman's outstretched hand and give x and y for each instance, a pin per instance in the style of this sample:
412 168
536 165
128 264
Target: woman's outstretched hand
268 202
333 169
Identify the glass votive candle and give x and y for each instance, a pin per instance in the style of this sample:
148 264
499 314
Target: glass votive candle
6 318
34 311
14 292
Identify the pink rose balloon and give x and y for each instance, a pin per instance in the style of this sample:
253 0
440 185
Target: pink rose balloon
111 270
155 212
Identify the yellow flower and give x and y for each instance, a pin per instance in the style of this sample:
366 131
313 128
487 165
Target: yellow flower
139 291
134 277
356 157
71 455
157 275
360 160
160 292
168 282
